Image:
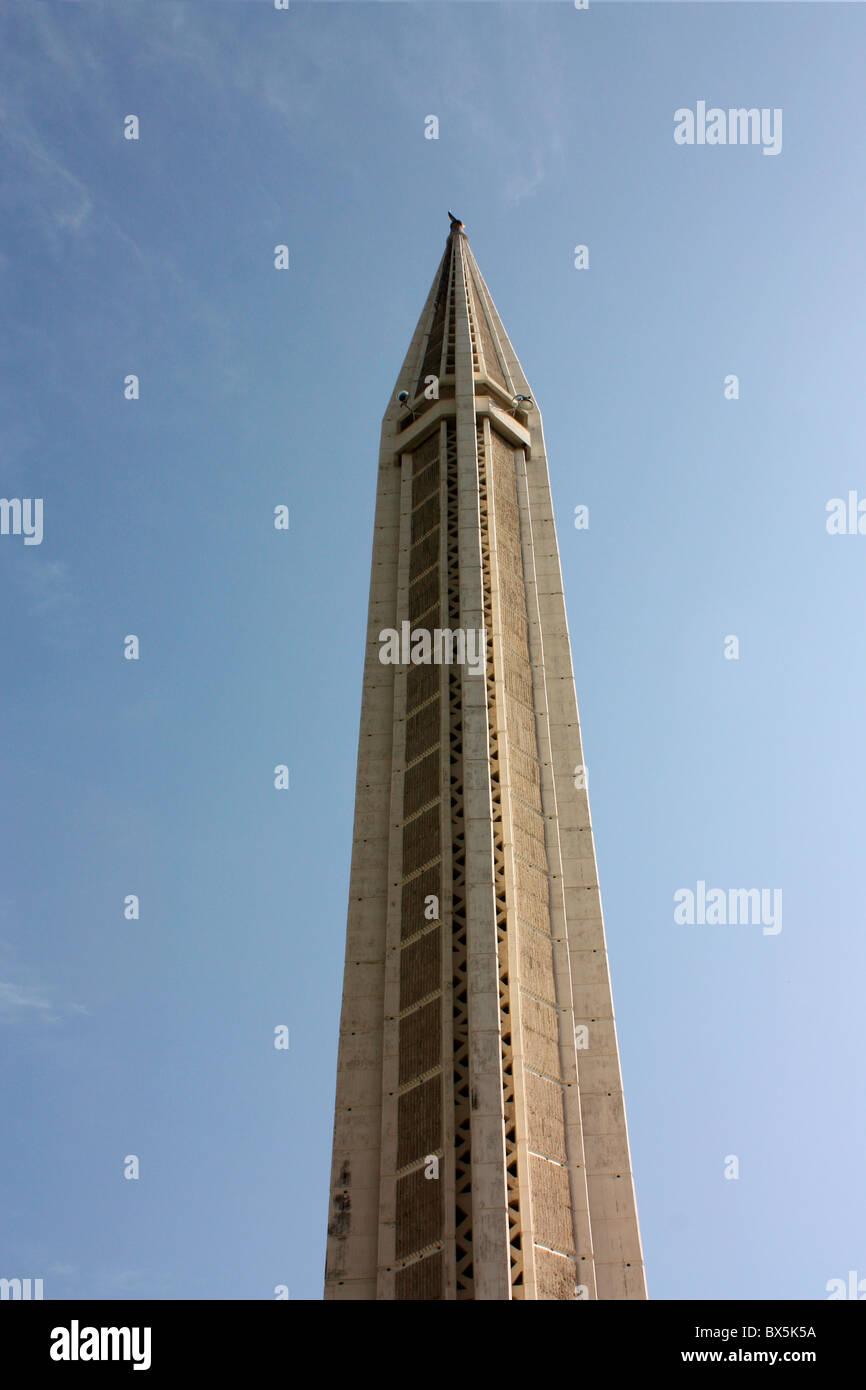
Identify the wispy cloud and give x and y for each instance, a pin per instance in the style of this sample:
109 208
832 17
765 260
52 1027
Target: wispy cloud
25 999
25 1003
49 586
49 593
44 190
41 187
15 999
522 183
124 1279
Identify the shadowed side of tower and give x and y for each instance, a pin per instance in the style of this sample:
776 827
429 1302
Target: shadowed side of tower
480 1144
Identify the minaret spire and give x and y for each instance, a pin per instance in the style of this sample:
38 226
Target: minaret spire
480 1144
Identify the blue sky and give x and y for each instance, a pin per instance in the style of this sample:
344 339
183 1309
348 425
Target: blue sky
258 387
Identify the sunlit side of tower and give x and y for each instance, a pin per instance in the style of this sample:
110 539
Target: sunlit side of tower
480 1144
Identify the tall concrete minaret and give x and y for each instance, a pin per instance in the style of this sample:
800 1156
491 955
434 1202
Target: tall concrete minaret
480 1145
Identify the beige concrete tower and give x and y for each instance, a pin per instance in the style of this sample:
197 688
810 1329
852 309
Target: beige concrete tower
480 1145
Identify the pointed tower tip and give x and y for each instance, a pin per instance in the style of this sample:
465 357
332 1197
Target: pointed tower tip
456 224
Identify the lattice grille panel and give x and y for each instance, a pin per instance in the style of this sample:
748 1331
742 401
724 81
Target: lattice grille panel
421 839
419 1215
421 784
420 1041
419 1121
420 965
423 594
421 1280
422 730
419 1105
421 683
425 483
414 894
424 554
424 518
